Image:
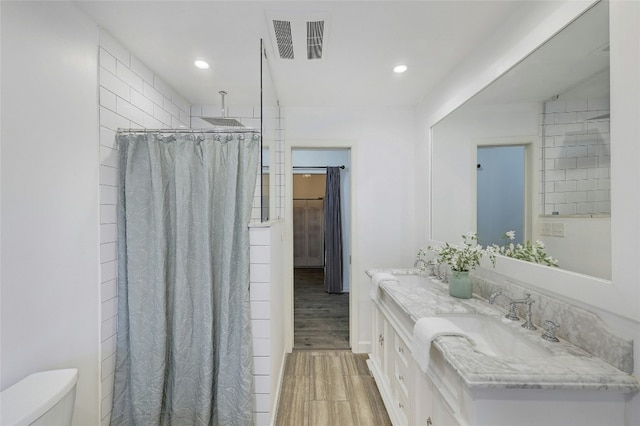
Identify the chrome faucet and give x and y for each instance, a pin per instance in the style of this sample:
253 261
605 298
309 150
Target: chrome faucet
527 300
419 261
494 295
528 324
512 306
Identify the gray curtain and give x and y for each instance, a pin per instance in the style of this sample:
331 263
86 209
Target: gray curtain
333 233
184 353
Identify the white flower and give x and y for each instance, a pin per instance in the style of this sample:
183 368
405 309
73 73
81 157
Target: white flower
511 235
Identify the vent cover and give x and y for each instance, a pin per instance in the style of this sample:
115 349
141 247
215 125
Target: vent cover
299 34
315 35
284 40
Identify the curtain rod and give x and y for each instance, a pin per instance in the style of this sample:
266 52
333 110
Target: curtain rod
315 167
219 130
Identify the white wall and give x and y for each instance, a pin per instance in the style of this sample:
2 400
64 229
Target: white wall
382 141
50 238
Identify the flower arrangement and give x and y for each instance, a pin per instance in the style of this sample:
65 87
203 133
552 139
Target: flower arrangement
460 257
467 255
530 252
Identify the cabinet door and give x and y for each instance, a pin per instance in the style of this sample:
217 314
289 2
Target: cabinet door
423 399
442 413
315 233
376 345
299 232
308 233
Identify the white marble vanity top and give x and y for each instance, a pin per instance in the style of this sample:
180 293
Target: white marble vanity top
567 367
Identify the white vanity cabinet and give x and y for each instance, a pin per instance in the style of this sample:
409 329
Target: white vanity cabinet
392 366
440 396
410 396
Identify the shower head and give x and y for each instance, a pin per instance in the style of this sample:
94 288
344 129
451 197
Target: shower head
223 121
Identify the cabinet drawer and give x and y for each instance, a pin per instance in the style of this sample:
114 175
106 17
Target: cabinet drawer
401 377
402 408
402 350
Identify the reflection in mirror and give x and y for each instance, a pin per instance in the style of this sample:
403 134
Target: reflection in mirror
553 107
500 193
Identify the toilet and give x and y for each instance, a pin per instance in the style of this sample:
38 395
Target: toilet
44 398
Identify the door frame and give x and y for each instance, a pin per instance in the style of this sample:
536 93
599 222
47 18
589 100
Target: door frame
354 290
531 186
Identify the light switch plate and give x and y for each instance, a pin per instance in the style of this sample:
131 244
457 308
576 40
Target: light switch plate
557 229
545 228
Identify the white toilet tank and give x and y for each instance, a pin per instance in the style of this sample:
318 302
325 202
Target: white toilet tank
42 399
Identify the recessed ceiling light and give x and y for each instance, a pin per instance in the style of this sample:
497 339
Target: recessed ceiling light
400 69
201 64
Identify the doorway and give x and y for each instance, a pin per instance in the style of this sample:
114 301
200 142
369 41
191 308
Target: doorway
320 320
500 193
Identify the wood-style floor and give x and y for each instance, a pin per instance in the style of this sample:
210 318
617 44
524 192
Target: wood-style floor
321 320
329 388
324 383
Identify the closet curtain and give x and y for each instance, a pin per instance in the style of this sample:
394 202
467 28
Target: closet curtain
184 354
333 233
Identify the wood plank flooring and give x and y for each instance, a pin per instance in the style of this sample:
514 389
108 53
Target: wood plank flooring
321 320
329 388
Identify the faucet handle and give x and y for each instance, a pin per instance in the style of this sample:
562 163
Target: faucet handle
550 334
512 312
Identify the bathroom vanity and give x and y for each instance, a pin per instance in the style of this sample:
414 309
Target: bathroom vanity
497 373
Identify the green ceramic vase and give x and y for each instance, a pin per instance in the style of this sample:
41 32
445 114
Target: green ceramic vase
460 284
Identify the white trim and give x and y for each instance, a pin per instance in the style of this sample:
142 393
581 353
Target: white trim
354 291
530 177
275 402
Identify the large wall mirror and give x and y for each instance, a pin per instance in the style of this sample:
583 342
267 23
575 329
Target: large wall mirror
530 153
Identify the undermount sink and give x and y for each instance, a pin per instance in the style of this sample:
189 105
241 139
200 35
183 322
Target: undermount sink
413 281
492 337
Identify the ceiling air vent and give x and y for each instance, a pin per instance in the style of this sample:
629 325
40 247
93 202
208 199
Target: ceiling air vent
294 31
284 40
315 35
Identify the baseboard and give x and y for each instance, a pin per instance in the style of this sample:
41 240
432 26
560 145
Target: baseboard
363 348
276 400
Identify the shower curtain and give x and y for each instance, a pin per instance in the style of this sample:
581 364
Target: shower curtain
332 233
184 352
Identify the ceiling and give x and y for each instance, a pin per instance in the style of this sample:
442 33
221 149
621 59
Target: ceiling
364 40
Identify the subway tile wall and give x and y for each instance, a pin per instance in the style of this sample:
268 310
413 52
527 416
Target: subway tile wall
130 96
278 144
260 284
575 160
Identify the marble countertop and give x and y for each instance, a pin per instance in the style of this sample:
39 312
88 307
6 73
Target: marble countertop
567 367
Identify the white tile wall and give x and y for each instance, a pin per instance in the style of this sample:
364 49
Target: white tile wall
260 284
575 165
130 96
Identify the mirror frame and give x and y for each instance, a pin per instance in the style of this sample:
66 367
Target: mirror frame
588 291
